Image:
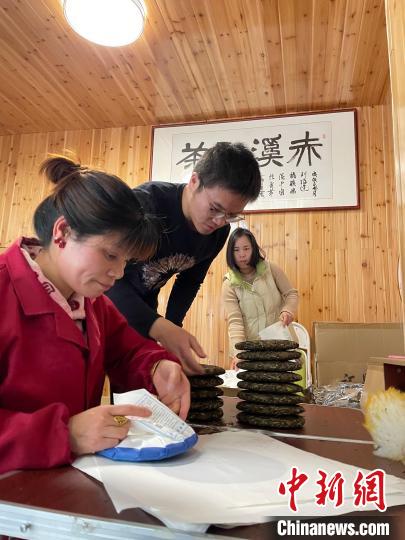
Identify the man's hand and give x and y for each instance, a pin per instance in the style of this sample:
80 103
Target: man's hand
172 387
96 429
179 342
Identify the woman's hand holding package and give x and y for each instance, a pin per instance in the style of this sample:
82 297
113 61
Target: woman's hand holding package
286 318
97 428
234 363
172 387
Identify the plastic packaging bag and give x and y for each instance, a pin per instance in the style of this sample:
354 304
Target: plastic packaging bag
339 395
277 331
159 436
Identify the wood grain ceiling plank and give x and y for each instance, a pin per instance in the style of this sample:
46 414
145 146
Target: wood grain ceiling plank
245 55
202 41
190 33
345 91
375 56
272 33
54 80
366 52
17 69
38 105
197 60
152 64
288 32
304 39
129 90
220 49
95 78
88 79
166 70
328 30
211 99
110 74
326 46
12 118
258 46
185 36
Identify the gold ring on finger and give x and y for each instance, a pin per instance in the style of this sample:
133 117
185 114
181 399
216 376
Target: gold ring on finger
120 420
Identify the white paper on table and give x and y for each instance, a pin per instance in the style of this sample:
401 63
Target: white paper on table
230 378
230 478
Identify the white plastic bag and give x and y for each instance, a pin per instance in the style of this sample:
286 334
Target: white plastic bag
278 331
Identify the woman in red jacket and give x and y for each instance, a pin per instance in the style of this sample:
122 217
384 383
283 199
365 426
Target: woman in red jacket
60 336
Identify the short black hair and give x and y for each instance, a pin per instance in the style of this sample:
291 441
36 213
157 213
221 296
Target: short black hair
95 203
257 253
231 166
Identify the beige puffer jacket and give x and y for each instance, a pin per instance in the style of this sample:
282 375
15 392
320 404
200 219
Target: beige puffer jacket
250 307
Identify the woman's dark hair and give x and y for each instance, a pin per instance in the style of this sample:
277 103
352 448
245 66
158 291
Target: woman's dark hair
93 203
257 252
231 166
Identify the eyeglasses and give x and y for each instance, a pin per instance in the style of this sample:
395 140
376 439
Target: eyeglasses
216 213
229 218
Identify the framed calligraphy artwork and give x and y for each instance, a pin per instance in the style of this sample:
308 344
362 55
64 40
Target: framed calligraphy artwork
307 161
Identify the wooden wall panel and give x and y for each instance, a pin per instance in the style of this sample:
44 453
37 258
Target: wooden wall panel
122 151
342 262
395 14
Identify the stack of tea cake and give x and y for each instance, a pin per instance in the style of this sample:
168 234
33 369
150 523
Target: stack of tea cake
206 404
268 387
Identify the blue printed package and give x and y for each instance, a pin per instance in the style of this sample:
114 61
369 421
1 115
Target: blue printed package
159 436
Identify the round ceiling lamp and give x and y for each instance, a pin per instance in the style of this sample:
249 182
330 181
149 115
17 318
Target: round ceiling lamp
112 23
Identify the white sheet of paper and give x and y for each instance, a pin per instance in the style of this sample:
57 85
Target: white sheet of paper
228 478
230 378
276 331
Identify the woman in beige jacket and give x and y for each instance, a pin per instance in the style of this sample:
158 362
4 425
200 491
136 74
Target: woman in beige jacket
255 293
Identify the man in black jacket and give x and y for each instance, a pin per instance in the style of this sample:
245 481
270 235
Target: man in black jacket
195 219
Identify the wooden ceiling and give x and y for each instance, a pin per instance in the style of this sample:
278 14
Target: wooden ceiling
197 60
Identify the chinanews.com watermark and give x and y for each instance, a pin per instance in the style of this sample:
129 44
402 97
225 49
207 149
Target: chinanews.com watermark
362 527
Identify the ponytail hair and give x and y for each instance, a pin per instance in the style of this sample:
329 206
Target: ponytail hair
94 203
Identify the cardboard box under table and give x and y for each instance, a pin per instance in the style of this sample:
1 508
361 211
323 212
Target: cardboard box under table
342 350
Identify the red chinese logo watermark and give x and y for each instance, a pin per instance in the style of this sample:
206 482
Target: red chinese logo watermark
294 485
330 489
366 489
370 489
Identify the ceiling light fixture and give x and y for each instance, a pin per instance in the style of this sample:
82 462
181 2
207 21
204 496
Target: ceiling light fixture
111 23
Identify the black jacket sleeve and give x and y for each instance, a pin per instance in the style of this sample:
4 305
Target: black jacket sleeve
139 314
184 291
187 283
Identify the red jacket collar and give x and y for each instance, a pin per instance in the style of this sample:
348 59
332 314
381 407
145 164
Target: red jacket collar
33 299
